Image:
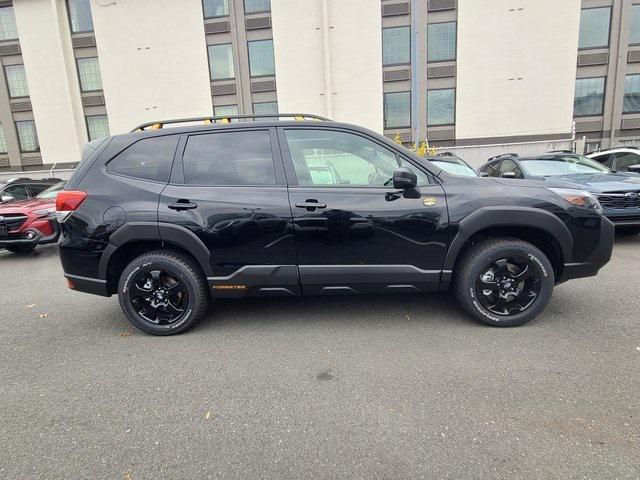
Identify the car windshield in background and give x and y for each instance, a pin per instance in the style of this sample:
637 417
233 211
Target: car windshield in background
455 168
52 191
569 165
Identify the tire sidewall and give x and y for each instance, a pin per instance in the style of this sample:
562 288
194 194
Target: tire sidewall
547 281
148 264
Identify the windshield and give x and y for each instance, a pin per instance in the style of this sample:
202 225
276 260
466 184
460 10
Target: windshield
455 168
562 165
52 191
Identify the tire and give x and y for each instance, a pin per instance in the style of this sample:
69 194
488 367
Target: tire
140 281
480 267
20 248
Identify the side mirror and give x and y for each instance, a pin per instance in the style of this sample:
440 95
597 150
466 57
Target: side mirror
404 179
483 174
508 175
634 168
7 198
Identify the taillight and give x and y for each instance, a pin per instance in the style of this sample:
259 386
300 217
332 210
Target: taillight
67 201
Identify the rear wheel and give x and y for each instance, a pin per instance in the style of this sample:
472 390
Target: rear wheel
504 282
20 248
163 292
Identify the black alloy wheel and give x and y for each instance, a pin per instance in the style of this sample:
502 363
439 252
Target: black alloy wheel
158 296
503 281
508 285
163 292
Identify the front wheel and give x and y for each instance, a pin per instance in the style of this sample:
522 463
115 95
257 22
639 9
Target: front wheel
504 282
163 292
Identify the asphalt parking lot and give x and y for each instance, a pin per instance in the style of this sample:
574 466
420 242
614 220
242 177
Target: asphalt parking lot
380 387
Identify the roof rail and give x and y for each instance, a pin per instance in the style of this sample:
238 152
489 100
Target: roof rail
512 155
227 119
561 151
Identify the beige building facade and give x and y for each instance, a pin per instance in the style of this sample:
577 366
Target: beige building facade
457 73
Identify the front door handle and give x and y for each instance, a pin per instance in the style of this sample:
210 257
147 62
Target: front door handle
182 204
311 205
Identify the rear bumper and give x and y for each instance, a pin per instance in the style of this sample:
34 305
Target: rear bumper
87 285
598 258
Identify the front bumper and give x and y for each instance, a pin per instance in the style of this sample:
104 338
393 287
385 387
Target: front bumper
38 239
598 258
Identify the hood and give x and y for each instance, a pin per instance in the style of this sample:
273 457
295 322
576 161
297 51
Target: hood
24 206
600 182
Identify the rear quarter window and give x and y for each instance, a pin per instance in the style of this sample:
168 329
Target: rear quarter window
147 159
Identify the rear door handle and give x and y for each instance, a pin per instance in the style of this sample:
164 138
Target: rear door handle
182 205
311 205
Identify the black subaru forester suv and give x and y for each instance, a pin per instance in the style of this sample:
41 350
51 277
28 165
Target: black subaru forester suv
173 218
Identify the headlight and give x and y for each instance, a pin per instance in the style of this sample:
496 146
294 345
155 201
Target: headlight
46 211
579 198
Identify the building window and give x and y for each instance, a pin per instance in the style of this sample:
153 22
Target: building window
261 61
257 6
589 97
441 107
80 16
16 81
265 107
397 110
89 73
594 27
634 31
396 46
631 103
8 28
27 136
215 8
225 110
221 62
441 41
3 142
97 126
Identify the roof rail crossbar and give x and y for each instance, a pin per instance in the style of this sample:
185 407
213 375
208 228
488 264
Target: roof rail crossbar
156 125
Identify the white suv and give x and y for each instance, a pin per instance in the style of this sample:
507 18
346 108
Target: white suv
619 158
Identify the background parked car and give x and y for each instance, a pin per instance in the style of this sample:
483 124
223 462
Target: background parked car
452 164
24 224
622 159
24 188
617 192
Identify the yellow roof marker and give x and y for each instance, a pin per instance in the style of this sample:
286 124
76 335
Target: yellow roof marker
299 118
156 126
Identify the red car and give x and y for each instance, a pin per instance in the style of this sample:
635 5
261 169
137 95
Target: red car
24 224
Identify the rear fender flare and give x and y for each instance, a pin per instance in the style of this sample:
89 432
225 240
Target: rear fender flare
151 231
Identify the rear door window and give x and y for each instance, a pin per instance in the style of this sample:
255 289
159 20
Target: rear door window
36 188
229 158
147 159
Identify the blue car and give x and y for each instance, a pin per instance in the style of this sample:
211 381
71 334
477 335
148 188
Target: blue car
617 192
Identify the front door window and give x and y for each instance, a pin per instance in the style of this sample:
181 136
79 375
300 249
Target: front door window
331 158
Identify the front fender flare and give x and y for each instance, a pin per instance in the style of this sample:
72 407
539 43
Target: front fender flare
488 217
